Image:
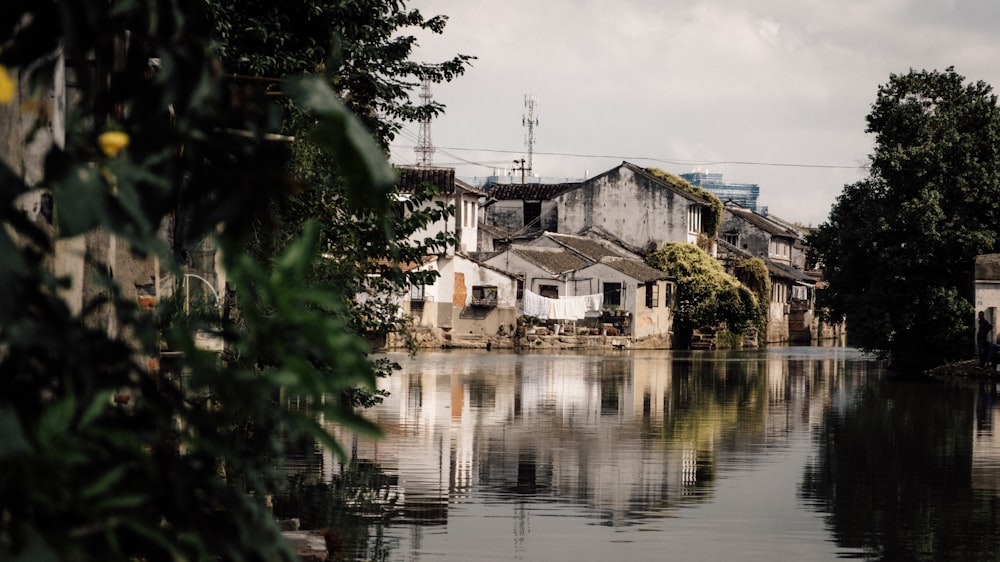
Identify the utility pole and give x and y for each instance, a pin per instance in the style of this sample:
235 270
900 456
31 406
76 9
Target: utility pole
529 120
521 168
424 148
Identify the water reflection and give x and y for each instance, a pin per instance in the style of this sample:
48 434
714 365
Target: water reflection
799 453
895 471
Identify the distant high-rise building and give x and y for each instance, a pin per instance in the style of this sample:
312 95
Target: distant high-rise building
743 194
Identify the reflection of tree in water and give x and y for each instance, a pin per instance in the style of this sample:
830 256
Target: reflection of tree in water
894 475
356 503
714 406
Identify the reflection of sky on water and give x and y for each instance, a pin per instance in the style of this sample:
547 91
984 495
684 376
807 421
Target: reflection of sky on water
591 457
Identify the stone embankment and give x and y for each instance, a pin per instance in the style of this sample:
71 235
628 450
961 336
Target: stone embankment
538 339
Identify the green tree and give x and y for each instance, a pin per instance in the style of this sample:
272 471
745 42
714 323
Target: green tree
364 48
707 296
898 247
180 471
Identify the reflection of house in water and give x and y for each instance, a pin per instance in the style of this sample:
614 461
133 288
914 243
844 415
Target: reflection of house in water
986 439
620 436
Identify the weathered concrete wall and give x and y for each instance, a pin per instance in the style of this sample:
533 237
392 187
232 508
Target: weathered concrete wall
478 320
446 225
631 207
506 215
777 323
467 221
751 238
645 322
656 321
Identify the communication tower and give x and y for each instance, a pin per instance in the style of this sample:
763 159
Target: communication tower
425 148
529 120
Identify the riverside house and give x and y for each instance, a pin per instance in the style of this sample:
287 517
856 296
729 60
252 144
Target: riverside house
791 312
640 210
635 300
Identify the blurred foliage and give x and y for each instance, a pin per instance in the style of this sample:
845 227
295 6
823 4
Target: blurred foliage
707 296
101 456
898 248
343 507
364 46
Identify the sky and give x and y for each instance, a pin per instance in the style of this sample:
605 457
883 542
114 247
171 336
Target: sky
772 92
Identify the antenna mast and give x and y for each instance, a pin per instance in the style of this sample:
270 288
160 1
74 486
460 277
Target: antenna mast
425 148
529 120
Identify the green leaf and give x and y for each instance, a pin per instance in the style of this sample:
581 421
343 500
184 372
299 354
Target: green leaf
121 502
338 130
12 439
101 402
36 549
81 200
104 483
56 420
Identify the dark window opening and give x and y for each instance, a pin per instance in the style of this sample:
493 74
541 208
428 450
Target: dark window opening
549 291
484 295
613 293
532 213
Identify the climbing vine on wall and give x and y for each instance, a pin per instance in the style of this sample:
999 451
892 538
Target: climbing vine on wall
714 218
753 274
707 296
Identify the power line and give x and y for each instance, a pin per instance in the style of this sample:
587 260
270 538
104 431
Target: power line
661 160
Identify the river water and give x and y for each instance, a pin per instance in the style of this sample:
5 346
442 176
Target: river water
802 453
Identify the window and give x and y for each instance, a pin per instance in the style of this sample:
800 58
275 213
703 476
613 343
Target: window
484 295
613 293
800 293
417 293
731 238
779 293
520 286
416 300
652 295
780 248
549 291
694 218
532 212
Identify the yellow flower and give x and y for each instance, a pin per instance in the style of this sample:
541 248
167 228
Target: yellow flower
6 86
112 142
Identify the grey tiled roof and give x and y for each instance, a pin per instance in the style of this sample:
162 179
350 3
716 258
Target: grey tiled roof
763 223
728 250
783 271
528 191
587 247
553 260
636 269
412 177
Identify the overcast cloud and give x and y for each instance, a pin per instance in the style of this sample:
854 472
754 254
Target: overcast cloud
782 86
